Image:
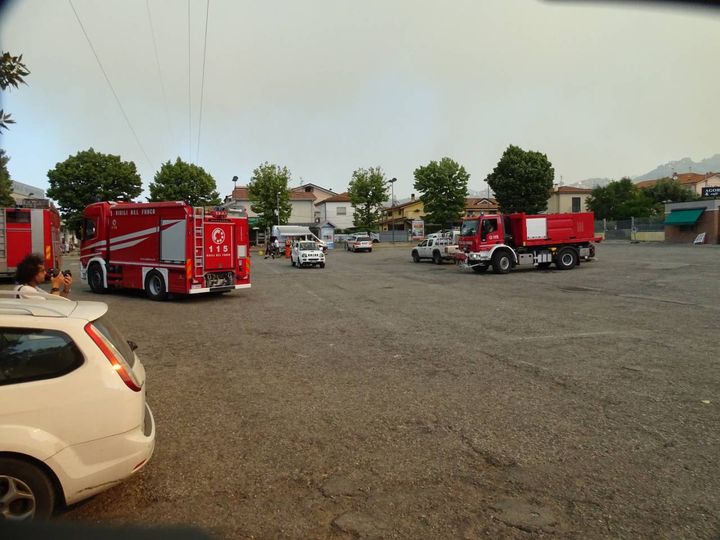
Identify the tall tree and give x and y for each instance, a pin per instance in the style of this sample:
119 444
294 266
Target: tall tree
522 181
91 176
619 200
668 190
5 182
269 196
443 186
12 73
368 190
181 181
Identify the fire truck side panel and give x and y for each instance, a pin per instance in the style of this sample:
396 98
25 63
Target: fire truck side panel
19 235
242 248
26 231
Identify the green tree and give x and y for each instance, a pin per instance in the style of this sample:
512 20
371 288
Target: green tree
5 182
88 177
668 190
181 181
12 73
368 190
444 188
619 200
522 181
269 195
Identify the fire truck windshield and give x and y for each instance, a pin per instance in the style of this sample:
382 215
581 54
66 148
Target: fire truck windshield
469 227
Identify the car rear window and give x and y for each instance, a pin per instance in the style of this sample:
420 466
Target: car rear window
30 354
363 238
113 335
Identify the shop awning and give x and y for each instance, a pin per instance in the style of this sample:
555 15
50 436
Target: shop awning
684 217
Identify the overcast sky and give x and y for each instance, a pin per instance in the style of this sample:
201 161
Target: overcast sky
327 86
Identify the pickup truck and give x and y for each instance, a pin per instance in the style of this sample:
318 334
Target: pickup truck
437 249
306 253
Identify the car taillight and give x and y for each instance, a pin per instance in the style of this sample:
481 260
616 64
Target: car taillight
119 364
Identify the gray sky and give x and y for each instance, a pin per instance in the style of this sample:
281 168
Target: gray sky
327 86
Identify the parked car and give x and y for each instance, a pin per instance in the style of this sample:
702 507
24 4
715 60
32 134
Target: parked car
358 243
375 237
73 416
306 253
436 248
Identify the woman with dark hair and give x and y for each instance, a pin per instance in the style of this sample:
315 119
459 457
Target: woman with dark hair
30 273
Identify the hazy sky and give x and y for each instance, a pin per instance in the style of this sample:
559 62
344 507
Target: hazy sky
327 86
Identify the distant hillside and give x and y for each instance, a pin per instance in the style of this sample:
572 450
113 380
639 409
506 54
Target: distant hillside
684 165
592 183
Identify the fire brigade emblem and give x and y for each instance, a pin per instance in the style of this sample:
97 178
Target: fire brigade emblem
218 235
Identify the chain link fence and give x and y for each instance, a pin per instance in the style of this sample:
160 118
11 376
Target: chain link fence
627 229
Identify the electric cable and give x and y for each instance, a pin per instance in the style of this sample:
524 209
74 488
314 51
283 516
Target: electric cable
157 63
202 86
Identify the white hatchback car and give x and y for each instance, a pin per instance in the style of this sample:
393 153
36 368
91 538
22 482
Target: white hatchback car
358 243
73 417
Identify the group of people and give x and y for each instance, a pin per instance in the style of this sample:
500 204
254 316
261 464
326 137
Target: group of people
272 248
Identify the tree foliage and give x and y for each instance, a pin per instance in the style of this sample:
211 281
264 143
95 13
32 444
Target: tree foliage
669 190
368 190
5 182
522 181
12 74
443 186
88 177
269 195
181 181
619 200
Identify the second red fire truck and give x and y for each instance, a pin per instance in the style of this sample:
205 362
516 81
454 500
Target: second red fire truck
502 242
25 230
163 248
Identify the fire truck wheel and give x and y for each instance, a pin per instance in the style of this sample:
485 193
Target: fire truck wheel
501 262
415 256
479 268
155 286
437 258
567 259
95 279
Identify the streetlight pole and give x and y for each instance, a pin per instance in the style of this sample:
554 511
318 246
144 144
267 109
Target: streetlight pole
277 199
392 204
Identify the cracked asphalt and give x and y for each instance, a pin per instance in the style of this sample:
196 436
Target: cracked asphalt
379 398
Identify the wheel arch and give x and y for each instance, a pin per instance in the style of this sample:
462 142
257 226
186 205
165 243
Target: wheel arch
44 467
103 268
504 247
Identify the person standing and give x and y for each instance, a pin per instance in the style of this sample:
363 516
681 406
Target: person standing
30 273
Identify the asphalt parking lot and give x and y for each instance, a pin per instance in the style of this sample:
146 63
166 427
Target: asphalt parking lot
382 398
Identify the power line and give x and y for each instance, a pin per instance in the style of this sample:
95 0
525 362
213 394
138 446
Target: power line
117 99
202 86
157 63
189 95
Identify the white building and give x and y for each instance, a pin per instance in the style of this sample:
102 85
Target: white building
336 210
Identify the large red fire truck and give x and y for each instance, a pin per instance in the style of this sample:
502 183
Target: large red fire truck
505 241
29 230
163 248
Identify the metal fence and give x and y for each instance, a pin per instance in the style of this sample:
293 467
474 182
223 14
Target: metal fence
623 229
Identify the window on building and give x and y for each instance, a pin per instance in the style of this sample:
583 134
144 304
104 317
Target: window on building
341 211
32 354
576 204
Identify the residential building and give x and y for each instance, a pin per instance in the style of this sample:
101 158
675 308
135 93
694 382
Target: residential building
336 210
401 215
693 181
568 199
22 191
477 206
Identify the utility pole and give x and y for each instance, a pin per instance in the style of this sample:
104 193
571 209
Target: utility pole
277 199
392 205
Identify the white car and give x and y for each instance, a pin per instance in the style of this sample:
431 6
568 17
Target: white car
306 253
73 416
358 243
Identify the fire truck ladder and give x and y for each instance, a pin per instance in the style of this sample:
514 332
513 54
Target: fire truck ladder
199 242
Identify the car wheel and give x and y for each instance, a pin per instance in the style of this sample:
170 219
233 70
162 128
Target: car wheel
25 491
567 259
437 258
95 279
501 262
322 265
370 250
415 257
155 286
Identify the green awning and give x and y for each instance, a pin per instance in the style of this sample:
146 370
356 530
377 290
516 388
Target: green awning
684 217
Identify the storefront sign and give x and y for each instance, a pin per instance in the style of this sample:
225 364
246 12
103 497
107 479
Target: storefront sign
713 191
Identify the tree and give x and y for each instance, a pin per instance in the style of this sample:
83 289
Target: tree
181 181
12 73
668 190
619 200
368 190
88 177
522 181
444 187
269 195
5 182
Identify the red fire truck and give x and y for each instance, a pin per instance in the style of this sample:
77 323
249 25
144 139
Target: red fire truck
163 248
29 230
505 241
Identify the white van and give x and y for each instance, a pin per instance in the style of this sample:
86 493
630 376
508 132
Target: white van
295 233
